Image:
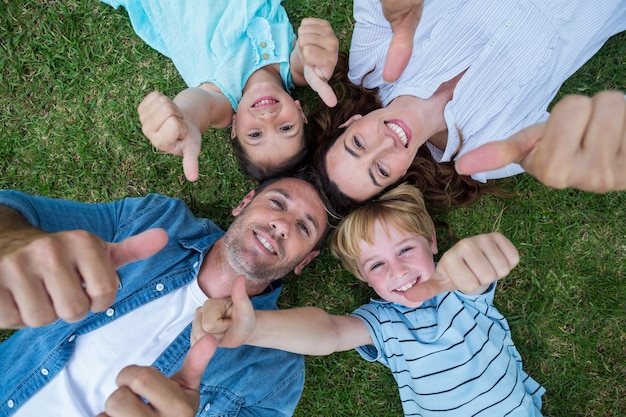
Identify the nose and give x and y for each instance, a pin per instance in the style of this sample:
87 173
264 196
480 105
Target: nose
398 270
267 115
280 227
385 140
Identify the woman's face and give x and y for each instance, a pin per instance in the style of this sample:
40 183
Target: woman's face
269 124
374 152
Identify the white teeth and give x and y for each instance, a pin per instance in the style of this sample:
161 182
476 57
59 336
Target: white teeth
265 243
399 131
264 102
407 286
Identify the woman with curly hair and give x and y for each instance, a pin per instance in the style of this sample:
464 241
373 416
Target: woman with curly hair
477 74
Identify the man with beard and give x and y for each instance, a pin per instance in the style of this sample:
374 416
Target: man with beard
82 280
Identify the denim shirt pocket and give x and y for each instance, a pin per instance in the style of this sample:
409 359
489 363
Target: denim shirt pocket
218 402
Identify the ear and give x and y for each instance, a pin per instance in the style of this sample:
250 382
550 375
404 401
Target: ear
299 107
298 269
351 120
246 200
233 127
433 243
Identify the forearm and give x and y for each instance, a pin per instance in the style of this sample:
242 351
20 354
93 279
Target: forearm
12 222
205 107
306 330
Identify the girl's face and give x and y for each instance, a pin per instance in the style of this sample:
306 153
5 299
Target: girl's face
375 151
395 262
269 124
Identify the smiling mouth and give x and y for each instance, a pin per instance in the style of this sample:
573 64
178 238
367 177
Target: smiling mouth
265 101
398 131
265 243
407 286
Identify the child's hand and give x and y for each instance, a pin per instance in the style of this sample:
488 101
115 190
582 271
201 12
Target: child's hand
470 266
317 49
168 129
230 320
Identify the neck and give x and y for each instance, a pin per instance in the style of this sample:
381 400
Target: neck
216 276
268 73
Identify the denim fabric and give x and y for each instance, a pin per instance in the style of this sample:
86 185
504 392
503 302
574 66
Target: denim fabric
246 381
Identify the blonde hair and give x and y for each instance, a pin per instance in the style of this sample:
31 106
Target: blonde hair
401 207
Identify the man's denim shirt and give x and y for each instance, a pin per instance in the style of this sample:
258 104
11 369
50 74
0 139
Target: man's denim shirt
245 381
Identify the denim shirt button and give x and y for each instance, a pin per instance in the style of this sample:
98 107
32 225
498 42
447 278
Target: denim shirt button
44 372
207 407
159 287
71 338
110 312
10 404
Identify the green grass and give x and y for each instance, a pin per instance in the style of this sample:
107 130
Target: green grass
71 77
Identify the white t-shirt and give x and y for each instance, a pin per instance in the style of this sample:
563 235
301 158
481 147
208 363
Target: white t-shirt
82 388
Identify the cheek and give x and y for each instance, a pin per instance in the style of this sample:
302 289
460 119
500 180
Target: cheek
400 165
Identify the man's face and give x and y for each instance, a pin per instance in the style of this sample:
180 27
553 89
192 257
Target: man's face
275 231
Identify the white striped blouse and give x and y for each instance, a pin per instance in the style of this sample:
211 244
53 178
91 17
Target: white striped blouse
517 55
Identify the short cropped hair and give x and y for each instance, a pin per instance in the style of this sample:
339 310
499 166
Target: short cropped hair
401 207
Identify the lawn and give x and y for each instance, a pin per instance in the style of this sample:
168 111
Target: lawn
71 77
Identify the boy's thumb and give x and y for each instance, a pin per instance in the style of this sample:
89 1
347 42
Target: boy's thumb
438 283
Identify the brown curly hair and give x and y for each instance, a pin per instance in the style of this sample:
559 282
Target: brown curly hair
440 184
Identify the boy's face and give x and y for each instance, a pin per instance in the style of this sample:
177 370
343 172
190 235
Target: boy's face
395 262
269 124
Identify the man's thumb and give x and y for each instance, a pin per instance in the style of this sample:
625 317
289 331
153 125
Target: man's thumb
190 374
494 155
137 247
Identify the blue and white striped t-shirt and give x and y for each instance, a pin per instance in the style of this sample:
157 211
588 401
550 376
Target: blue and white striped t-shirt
452 356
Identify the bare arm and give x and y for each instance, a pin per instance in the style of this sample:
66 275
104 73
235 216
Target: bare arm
307 330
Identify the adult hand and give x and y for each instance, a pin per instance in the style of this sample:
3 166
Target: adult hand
167 397
318 49
470 266
168 129
230 320
403 16
582 145
47 276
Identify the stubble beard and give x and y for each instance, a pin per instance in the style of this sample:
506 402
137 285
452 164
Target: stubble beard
237 255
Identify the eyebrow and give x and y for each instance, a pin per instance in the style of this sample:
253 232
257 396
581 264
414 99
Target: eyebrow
308 216
369 171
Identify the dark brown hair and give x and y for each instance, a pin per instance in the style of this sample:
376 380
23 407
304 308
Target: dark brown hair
258 174
440 184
